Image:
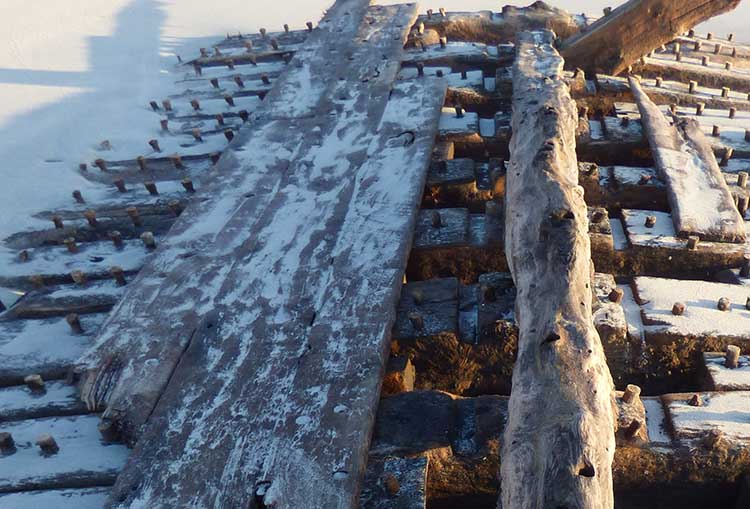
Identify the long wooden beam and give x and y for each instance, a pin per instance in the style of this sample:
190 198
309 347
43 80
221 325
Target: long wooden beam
559 440
629 32
275 395
698 194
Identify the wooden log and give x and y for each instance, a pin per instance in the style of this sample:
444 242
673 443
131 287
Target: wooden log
559 441
697 191
619 39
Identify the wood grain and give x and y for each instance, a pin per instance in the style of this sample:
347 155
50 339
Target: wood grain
559 441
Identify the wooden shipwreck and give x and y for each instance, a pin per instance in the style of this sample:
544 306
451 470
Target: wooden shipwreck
402 259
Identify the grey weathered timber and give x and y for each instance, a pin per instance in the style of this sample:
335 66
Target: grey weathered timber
697 191
303 263
190 265
559 442
629 32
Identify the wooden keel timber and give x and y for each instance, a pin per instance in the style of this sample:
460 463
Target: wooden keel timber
697 191
559 442
620 38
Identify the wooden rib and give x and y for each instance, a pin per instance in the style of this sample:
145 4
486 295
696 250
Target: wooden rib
697 191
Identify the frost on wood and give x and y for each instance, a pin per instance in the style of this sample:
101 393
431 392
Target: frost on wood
559 442
698 194
635 28
304 241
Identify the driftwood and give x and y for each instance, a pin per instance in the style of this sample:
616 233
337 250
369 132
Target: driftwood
559 441
700 199
635 28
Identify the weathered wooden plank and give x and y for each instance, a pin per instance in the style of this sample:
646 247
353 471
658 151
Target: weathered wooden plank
698 194
47 347
275 338
630 31
91 297
214 232
58 398
559 442
85 498
82 460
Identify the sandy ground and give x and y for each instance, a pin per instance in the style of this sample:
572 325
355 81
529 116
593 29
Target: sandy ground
76 72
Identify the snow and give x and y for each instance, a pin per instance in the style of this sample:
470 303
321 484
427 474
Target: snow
655 421
702 316
724 378
728 413
619 239
632 314
87 498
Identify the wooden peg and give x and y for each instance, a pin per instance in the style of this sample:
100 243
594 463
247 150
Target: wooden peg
217 51
78 277
732 112
188 185
726 156
442 12
118 275
732 357
197 134
695 400
717 49
197 68
74 321
148 240
141 163
195 104
176 207
459 111
116 238
705 61
214 156
263 32
58 222
177 161
699 109
724 304
70 243
135 217
309 26
244 115
659 82
167 104
728 66
229 100
616 295
151 188
693 241
443 41
697 46
730 37
90 216
742 179
725 92
264 78
230 64
7 444
691 87
420 69
229 134
650 221
47 445
678 309
275 44
417 321
716 131
633 428
286 28
154 105
101 164
709 36
436 219
34 383
219 119
239 82
204 52
120 185
164 123
23 257
631 394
